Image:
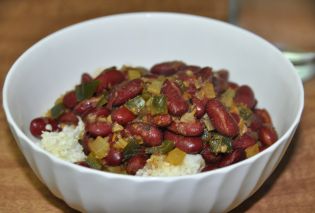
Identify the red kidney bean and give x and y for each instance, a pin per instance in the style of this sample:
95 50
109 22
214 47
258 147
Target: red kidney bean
190 79
245 95
113 158
122 115
223 74
267 135
69 100
109 78
187 128
135 163
209 156
167 68
85 78
220 84
236 117
192 68
200 106
99 112
68 118
209 168
98 129
151 135
232 85
38 125
85 106
255 122
264 116
124 92
83 163
191 89
176 104
233 157
243 142
221 119
205 74
190 145
161 120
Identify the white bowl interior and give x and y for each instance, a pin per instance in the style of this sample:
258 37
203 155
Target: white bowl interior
55 64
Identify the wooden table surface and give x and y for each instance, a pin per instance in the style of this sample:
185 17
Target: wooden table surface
291 188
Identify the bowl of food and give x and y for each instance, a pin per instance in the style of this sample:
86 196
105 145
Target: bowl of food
153 112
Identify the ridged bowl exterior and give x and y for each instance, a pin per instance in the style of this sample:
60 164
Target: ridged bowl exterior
93 191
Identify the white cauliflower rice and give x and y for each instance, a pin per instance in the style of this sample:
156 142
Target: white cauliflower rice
65 144
157 166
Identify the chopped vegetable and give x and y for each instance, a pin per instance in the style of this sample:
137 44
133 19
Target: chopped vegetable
157 105
117 127
252 150
207 122
175 157
103 99
99 147
133 148
207 91
206 136
155 87
120 143
227 97
220 144
135 105
93 162
86 90
188 117
57 110
164 148
133 74
244 112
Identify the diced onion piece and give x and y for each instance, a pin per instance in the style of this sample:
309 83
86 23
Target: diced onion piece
207 91
188 117
117 127
99 147
120 143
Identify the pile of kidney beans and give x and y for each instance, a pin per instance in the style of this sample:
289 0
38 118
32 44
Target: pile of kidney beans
180 86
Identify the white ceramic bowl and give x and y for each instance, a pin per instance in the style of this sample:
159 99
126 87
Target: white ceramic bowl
56 63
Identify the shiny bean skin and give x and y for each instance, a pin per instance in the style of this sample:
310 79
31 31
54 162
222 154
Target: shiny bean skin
190 145
151 135
85 106
267 135
245 95
109 78
124 92
68 118
200 106
233 157
135 163
209 168
38 125
176 104
192 68
167 68
187 128
102 129
205 74
69 100
161 120
209 156
243 142
122 116
221 119
113 158
264 116
85 78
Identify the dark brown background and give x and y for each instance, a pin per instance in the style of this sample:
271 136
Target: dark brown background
291 188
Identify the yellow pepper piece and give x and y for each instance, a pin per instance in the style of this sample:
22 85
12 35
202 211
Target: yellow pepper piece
175 157
252 150
99 147
155 87
134 74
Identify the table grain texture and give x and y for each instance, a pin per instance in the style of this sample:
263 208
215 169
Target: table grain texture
291 188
